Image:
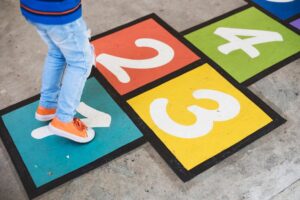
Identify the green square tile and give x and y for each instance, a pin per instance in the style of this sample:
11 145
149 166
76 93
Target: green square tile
238 63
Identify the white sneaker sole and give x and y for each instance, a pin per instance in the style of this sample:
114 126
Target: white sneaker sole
44 118
64 134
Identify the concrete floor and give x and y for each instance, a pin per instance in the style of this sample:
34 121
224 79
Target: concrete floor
267 169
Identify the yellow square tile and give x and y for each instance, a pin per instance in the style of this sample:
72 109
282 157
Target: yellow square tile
198 115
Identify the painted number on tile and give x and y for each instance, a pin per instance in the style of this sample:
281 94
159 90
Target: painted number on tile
116 64
235 43
228 108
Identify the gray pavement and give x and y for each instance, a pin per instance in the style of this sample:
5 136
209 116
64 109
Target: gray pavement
267 169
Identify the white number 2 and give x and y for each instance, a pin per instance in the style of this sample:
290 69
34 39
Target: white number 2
116 64
228 108
246 45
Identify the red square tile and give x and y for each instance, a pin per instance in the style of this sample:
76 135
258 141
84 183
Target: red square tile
140 53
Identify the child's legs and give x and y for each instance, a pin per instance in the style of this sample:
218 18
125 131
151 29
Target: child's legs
73 41
52 73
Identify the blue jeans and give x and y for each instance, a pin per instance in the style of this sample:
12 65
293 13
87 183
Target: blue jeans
68 64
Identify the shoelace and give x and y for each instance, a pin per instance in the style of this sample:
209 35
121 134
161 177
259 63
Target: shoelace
79 124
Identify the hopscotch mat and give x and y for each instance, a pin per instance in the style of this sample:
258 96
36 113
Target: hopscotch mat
184 93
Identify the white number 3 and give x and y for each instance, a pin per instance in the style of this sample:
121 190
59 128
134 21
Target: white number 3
228 108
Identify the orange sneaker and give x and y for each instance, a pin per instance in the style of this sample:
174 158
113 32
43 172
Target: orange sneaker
75 130
44 114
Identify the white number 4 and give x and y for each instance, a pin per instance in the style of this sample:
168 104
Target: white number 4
236 43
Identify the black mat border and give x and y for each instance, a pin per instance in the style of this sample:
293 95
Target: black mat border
263 73
185 175
291 19
175 165
28 183
158 81
156 143
285 22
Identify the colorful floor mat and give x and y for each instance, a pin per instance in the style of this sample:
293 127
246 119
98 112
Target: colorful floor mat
184 93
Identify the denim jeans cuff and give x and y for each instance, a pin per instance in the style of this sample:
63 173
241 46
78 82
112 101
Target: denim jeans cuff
48 104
